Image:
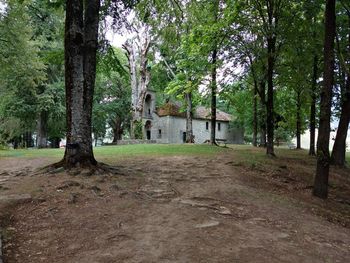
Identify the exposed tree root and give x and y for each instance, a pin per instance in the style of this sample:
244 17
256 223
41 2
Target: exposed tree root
86 169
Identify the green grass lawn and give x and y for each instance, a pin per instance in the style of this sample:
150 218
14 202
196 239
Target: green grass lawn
245 152
122 151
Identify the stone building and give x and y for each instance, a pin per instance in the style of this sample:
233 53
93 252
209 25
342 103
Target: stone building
167 124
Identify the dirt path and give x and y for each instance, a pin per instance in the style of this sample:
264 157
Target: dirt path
171 209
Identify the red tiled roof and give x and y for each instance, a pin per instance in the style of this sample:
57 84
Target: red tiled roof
201 112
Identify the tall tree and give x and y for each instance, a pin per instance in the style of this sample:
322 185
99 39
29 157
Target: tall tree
323 158
339 148
81 33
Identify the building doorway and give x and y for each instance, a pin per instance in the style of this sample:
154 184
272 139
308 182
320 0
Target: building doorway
148 126
184 137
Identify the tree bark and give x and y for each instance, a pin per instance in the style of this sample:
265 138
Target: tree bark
262 114
271 47
313 107
138 51
255 114
117 129
189 117
81 32
323 158
42 130
298 132
213 97
339 147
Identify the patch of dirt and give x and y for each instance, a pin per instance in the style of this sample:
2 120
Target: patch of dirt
176 209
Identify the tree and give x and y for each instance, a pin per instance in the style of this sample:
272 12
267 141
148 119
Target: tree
21 72
81 33
137 49
339 148
112 96
323 158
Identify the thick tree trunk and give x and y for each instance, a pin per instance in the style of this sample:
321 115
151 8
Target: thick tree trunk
81 31
213 98
131 52
271 42
28 139
189 117
255 114
298 132
117 129
323 157
138 51
42 130
313 107
339 147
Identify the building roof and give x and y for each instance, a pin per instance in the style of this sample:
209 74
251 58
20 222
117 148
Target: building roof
201 112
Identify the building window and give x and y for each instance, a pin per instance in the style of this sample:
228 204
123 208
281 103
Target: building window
159 133
149 111
219 126
207 125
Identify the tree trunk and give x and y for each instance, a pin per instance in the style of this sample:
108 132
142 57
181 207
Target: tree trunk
138 86
213 98
28 139
255 114
189 117
313 108
262 114
339 147
81 31
323 158
42 130
131 54
55 142
117 129
271 43
298 133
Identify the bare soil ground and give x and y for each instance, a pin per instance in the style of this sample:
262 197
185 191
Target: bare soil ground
174 209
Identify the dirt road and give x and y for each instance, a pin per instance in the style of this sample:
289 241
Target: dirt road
169 209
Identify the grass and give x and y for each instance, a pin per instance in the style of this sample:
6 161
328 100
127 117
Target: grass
246 153
122 151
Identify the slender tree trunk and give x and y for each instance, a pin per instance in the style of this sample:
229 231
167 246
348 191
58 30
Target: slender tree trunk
262 114
271 42
55 142
42 130
323 158
339 147
298 133
81 31
213 98
313 107
255 114
189 117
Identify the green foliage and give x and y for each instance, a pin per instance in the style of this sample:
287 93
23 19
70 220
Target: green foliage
112 98
138 130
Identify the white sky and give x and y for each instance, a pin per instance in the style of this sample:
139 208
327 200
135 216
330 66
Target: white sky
116 39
